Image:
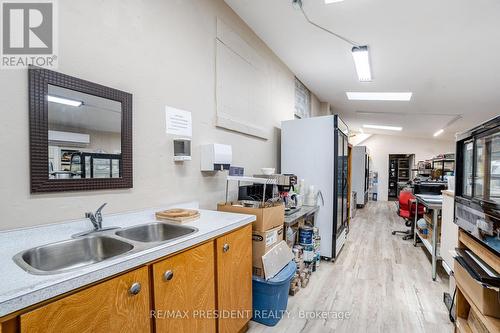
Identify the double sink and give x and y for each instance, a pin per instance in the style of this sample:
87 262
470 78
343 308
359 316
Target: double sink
96 247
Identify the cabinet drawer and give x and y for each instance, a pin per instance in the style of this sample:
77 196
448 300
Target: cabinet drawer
485 299
184 291
117 305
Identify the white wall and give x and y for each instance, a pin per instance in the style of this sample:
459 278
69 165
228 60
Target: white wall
359 138
163 52
315 106
110 142
381 146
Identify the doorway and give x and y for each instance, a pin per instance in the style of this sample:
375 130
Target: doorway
401 168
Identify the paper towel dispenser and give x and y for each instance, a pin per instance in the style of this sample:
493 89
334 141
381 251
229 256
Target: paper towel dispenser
216 157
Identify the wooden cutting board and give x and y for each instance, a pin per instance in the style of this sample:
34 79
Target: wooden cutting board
178 215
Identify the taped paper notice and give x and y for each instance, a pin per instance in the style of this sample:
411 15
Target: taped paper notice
179 122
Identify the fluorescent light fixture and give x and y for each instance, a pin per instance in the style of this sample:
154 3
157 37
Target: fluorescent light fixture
379 96
362 63
382 127
439 132
332 1
65 101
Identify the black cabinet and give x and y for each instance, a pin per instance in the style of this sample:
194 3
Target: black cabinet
477 190
399 172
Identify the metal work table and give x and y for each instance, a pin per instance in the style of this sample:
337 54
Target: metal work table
304 211
434 203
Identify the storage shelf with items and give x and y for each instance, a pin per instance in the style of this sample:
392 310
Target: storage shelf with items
428 231
306 257
477 303
424 233
373 187
443 165
400 173
424 168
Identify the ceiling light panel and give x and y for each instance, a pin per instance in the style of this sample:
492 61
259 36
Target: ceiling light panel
384 127
379 96
362 63
65 101
439 132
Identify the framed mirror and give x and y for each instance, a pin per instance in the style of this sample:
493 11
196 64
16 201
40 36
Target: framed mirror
80 134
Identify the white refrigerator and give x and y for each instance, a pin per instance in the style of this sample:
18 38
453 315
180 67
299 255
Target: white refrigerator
315 149
360 175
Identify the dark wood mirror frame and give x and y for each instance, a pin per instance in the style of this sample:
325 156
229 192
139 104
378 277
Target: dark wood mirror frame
39 81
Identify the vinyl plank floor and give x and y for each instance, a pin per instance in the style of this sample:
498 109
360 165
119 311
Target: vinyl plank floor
381 282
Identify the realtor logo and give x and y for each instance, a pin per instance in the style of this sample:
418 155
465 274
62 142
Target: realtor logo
28 34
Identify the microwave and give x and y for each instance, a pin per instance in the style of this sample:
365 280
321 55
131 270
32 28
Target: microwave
477 187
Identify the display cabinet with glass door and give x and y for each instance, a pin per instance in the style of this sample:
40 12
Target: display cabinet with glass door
477 197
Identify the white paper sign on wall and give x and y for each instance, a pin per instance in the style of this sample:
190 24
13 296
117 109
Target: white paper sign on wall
179 122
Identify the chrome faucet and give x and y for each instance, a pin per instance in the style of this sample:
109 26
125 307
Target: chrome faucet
96 218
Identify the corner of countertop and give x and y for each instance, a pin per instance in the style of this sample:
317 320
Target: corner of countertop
448 193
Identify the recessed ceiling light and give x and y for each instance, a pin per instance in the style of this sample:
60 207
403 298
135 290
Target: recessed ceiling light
379 96
362 63
383 127
332 1
439 132
65 101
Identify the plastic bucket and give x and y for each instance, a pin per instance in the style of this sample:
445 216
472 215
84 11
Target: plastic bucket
270 297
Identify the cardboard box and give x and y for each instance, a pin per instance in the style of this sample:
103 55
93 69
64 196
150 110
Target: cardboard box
263 241
258 271
266 218
277 258
486 300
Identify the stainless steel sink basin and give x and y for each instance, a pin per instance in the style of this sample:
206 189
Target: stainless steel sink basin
71 254
155 232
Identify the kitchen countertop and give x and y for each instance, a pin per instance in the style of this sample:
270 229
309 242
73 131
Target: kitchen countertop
20 289
448 192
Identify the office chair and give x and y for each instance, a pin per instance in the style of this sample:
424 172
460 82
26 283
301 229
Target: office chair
407 211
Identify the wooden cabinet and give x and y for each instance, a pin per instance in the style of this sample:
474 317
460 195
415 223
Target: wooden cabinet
234 279
469 298
187 292
116 305
184 291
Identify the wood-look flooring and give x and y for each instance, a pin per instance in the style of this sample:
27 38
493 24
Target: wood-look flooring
383 281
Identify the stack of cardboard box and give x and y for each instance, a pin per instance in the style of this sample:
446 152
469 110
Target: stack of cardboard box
262 242
267 231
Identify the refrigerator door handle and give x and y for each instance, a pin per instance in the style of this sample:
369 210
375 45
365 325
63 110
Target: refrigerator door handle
320 195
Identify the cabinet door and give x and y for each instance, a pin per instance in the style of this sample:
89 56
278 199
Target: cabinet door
184 291
234 279
116 305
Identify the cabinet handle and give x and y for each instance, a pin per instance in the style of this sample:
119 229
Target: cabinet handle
168 275
225 248
135 288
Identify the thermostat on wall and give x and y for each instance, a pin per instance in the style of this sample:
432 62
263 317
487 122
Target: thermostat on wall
182 149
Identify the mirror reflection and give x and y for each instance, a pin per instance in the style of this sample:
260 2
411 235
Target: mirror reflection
84 135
